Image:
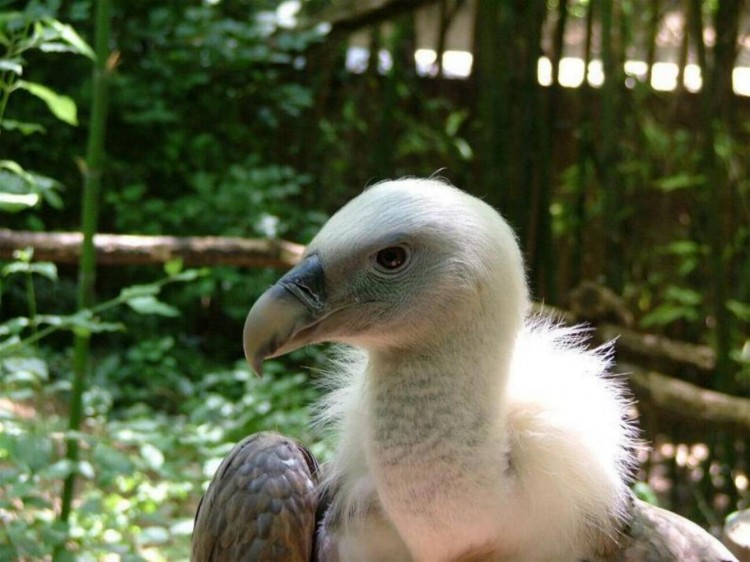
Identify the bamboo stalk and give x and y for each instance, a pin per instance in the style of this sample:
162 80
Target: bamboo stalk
653 32
87 275
711 199
584 154
608 160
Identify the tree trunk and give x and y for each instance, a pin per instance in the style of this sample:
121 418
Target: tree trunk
509 117
653 32
726 23
544 264
710 206
492 87
584 156
684 48
608 155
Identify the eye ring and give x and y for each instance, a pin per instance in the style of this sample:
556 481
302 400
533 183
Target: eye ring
392 259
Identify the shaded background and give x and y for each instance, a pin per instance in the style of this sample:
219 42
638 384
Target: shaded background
260 118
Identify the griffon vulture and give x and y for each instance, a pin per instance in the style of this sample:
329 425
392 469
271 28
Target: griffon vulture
468 429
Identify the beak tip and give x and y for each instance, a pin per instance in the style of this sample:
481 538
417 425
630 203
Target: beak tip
255 358
274 322
257 366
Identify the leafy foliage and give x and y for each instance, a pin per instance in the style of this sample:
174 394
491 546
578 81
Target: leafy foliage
32 29
142 470
160 412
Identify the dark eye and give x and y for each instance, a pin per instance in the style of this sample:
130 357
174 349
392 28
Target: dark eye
392 258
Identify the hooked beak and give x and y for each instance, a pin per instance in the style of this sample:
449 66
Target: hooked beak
283 318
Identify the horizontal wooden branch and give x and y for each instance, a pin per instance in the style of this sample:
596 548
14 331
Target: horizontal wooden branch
672 395
688 401
659 352
120 249
676 397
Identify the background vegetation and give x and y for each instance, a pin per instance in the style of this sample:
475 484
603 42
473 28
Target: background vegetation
222 120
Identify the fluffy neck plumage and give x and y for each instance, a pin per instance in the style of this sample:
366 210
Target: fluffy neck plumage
490 438
437 445
517 449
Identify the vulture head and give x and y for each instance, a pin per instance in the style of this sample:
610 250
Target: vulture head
399 268
468 429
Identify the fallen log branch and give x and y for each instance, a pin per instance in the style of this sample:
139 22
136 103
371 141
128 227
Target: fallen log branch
598 305
661 353
672 395
688 401
690 361
119 249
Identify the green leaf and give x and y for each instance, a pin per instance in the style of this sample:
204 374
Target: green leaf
644 492
6 17
740 309
21 379
173 267
82 321
683 296
18 181
14 326
9 343
189 275
54 534
153 456
56 47
59 470
62 107
16 169
86 469
182 527
45 269
22 127
33 451
24 255
69 35
96 326
11 65
135 291
15 202
464 149
30 369
683 248
151 305
20 266
667 313
680 181
153 535
112 461
454 121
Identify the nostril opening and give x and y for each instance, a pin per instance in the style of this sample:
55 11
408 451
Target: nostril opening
308 292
